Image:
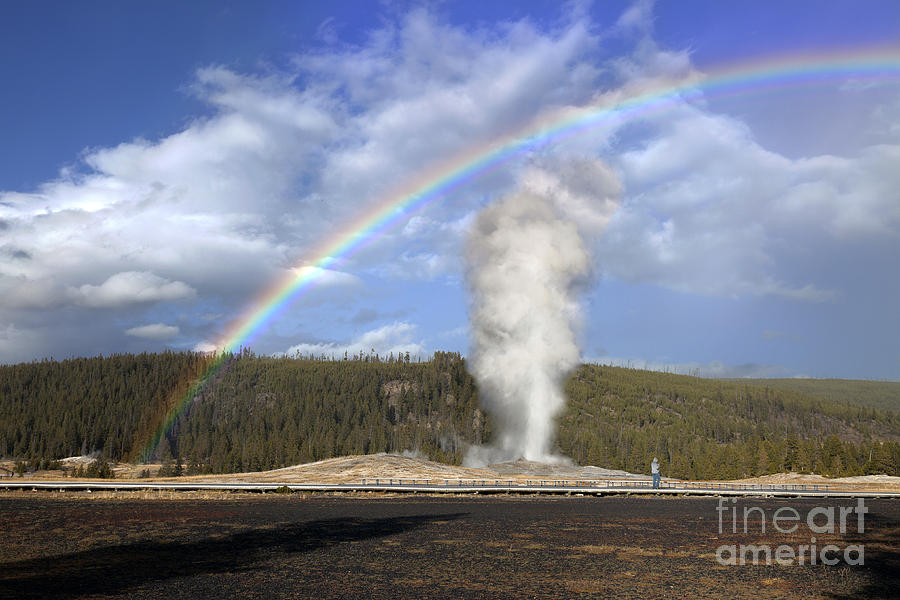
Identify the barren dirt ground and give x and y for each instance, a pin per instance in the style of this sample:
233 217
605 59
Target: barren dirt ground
78 545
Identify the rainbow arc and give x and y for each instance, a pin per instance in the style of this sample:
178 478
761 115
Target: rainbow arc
861 66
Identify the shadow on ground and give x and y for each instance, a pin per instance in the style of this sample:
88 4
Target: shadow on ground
113 569
882 559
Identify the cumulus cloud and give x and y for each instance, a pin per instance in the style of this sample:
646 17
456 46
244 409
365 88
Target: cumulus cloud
130 287
396 338
326 277
637 17
223 207
155 331
206 347
283 161
709 211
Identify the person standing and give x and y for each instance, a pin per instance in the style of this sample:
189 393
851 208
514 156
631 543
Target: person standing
654 469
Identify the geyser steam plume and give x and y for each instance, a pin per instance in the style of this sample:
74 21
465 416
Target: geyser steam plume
524 264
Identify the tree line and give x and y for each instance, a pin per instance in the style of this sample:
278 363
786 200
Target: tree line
706 428
260 412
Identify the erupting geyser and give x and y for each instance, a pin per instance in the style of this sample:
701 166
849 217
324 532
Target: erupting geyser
524 263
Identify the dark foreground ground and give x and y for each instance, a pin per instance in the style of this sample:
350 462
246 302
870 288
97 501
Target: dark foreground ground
56 545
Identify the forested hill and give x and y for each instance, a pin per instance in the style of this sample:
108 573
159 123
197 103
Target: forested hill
255 413
261 412
617 417
877 394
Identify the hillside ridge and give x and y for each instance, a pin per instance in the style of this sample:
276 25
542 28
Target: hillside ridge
262 413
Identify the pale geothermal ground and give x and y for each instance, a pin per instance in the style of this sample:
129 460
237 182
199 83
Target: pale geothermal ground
352 469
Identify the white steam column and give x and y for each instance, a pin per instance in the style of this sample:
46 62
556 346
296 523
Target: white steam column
524 263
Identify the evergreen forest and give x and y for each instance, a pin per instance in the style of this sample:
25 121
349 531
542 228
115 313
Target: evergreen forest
260 412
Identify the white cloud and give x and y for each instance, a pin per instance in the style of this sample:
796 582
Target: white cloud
708 211
155 331
396 338
221 209
637 17
205 347
326 277
130 287
284 162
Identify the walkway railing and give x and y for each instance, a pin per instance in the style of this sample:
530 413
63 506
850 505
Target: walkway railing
615 484
463 486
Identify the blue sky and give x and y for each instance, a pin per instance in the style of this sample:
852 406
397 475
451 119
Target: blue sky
163 163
